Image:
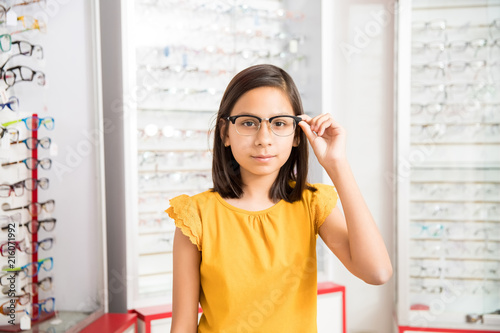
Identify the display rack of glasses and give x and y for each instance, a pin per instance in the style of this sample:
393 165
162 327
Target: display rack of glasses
448 164
180 56
25 212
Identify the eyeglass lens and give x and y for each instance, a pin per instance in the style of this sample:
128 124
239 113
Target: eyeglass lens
5 42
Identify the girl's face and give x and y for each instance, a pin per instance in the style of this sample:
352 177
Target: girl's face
263 153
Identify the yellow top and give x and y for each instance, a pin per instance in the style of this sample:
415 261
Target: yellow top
258 270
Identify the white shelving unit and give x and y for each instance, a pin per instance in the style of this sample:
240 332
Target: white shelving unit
448 164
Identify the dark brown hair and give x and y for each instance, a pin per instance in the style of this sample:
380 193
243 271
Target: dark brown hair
226 171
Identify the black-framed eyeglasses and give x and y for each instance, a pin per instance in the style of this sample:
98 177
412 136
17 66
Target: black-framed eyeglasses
33 226
33 143
27 49
12 104
34 208
32 163
24 74
283 125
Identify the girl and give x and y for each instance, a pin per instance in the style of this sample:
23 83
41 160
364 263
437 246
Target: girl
246 249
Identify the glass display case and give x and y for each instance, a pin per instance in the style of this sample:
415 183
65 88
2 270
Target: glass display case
447 175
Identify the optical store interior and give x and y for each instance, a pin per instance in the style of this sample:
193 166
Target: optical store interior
107 109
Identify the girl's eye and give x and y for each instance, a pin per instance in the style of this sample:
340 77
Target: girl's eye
248 123
279 124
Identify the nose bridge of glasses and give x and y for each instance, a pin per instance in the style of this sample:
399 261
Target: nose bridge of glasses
267 128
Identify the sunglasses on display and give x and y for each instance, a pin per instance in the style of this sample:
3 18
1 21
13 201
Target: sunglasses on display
33 123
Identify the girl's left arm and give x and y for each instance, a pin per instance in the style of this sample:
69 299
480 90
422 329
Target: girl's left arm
355 238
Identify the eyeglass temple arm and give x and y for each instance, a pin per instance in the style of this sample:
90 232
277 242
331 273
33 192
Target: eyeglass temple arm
11 122
15 269
11 163
26 3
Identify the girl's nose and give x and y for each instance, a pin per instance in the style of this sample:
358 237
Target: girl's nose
265 135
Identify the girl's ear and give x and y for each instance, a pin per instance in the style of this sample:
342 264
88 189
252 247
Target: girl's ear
224 138
296 141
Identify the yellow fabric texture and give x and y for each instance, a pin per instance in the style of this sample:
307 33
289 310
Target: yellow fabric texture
258 270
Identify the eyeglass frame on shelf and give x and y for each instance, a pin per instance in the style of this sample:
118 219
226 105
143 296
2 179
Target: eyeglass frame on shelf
39 265
44 142
13 131
7 79
44 163
13 100
17 188
29 225
41 121
39 205
41 306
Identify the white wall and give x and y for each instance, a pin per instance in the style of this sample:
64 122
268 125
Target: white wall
358 91
75 183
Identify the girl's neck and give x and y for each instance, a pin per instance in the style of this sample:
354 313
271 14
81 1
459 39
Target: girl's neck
257 187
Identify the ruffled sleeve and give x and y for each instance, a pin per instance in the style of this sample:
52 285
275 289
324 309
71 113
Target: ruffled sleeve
323 202
186 217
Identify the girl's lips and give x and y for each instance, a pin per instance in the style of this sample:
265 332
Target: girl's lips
263 158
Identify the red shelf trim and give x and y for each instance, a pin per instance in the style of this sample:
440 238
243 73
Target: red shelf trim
112 323
402 329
